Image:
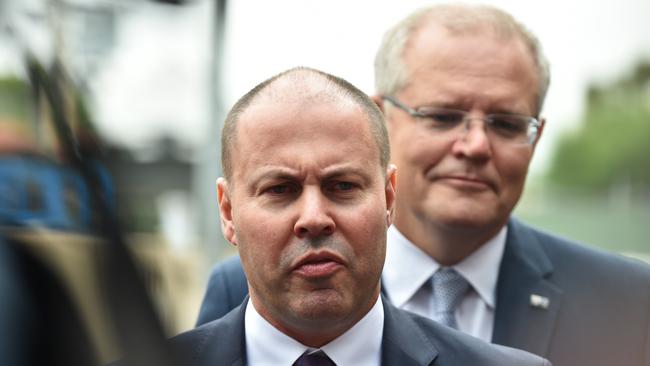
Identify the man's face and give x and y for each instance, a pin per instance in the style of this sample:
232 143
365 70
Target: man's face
468 183
308 206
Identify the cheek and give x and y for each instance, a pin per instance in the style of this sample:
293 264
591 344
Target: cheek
425 156
366 232
418 149
513 171
261 236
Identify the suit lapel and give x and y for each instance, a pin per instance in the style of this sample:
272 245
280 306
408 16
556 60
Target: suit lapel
403 342
224 344
527 301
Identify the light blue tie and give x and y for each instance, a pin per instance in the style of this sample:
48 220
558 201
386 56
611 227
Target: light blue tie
449 287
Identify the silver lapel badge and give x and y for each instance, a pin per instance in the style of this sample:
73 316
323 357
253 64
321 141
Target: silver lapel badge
539 301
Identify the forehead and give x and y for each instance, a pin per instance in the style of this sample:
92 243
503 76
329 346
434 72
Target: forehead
478 66
302 134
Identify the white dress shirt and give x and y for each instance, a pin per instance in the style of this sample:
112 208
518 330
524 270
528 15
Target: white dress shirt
360 345
408 270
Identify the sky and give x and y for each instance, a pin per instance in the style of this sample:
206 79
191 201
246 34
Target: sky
156 78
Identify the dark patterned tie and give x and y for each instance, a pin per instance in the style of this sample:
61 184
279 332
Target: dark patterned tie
314 359
449 287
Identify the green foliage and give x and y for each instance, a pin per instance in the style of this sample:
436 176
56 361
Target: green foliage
613 146
14 99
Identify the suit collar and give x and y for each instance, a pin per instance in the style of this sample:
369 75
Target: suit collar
265 344
404 343
527 300
224 339
526 246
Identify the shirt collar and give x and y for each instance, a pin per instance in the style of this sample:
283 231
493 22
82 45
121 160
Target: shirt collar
407 267
481 268
266 345
361 344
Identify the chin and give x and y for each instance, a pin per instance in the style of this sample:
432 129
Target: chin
467 219
320 304
321 316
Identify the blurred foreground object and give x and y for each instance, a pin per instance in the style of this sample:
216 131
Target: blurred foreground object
36 192
78 288
59 209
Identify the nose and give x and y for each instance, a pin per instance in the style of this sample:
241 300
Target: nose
474 143
314 218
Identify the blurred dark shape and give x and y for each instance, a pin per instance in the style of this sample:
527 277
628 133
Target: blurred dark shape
171 2
45 325
609 153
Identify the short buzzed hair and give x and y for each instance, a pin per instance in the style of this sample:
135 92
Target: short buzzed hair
332 87
391 72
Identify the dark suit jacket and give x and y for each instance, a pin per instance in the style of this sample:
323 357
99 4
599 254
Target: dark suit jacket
598 309
408 340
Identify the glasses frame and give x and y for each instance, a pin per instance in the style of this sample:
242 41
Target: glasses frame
532 121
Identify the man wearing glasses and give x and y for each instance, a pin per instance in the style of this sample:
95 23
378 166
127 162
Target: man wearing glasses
462 88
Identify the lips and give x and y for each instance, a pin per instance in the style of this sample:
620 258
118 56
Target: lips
315 265
467 183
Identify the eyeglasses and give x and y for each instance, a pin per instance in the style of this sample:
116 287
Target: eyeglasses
513 129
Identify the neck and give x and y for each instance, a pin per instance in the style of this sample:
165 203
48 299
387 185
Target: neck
316 333
447 244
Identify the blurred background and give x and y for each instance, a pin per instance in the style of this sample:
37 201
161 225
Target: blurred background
146 84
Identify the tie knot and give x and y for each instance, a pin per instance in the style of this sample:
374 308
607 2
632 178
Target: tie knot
449 287
318 358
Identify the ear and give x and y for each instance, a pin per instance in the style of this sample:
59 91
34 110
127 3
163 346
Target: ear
542 122
225 211
391 178
379 102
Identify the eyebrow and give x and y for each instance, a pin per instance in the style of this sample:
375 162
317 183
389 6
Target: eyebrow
271 173
345 170
284 173
462 107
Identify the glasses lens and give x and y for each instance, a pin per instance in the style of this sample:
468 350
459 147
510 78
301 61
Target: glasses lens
442 118
506 128
509 127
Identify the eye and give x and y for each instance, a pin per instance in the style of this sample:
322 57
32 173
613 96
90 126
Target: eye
440 117
344 186
281 189
508 125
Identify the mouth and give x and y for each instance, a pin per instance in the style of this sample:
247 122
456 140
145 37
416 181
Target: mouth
318 265
467 183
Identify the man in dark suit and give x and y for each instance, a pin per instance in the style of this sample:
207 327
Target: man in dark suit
307 197
462 88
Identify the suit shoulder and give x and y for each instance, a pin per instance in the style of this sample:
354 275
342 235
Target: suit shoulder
455 347
226 288
231 265
231 274
566 253
218 339
191 343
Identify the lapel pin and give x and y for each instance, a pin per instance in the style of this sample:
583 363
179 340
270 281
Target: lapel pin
539 301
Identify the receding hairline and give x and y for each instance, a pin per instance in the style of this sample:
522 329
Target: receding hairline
306 86
391 72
